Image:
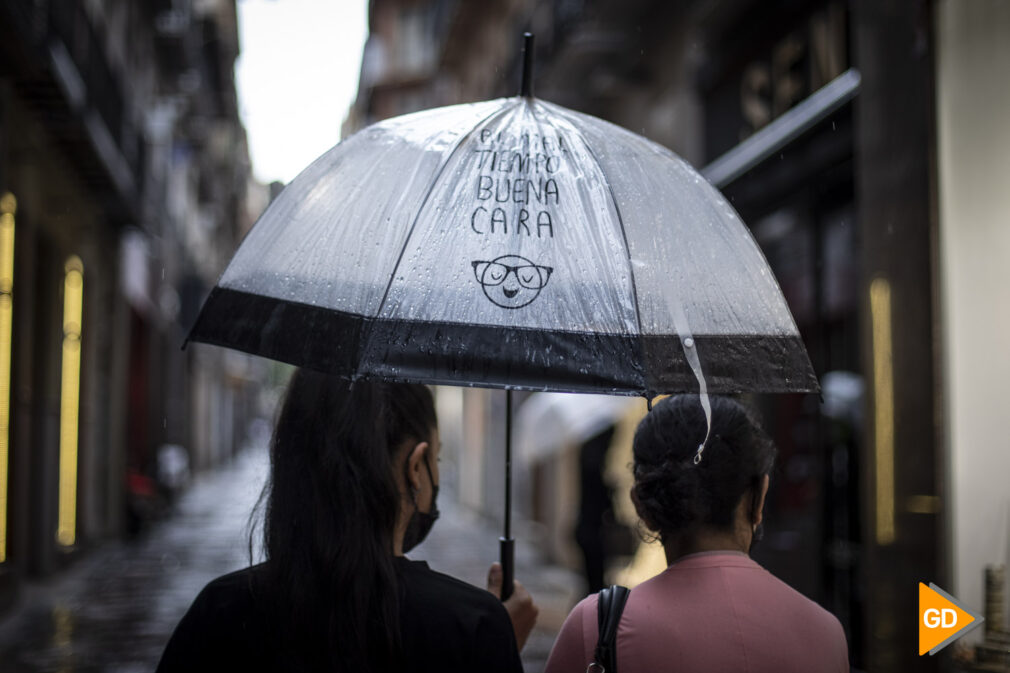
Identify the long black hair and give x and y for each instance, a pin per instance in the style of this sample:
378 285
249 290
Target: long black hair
674 495
331 509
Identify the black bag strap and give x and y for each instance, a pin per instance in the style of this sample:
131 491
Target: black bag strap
608 612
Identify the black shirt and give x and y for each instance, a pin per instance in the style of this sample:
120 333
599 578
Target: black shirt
446 625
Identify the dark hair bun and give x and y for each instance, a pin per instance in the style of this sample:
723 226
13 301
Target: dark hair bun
672 493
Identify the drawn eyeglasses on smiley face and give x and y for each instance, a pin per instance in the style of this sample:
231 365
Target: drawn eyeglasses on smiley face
511 281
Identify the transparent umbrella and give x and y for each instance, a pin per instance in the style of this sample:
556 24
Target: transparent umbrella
510 244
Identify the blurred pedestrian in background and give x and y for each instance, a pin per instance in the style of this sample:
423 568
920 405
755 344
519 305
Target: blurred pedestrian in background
353 486
173 470
713 608
595 507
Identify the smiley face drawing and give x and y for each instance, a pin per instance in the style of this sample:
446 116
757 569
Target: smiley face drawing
511 281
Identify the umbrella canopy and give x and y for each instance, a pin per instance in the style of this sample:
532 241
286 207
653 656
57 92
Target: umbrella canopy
511 243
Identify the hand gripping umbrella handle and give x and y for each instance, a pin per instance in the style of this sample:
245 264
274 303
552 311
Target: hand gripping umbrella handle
508 558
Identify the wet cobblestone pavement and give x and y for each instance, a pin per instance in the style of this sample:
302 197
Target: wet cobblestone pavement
115 610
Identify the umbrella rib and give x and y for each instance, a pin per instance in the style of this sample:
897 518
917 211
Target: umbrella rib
427 195
620 220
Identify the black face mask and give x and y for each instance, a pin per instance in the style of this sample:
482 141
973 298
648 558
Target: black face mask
420 523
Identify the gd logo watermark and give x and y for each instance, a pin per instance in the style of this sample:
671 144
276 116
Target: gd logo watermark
942 620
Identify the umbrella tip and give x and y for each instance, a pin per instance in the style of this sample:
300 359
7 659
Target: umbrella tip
526 86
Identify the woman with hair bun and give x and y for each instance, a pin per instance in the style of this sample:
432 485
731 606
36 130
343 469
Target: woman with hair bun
713 608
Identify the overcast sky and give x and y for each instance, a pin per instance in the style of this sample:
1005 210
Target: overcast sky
297 74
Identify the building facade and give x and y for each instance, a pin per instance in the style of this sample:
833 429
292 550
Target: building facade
123 173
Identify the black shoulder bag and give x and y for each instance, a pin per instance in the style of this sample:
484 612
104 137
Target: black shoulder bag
609 609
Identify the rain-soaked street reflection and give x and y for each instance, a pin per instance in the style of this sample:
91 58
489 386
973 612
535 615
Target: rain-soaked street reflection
116 610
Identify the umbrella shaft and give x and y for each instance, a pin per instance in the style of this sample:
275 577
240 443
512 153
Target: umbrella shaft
507 543
508 464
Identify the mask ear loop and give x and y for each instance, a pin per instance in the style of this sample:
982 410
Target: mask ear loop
427 466
414 490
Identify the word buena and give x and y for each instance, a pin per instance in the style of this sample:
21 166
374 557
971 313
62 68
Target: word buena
517 190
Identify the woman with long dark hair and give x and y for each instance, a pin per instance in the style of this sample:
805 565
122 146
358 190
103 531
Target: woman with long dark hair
353 486
713 608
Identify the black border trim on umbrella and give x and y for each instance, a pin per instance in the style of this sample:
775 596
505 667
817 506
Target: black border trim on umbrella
518 358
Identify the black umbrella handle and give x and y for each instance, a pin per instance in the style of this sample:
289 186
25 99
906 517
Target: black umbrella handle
508 567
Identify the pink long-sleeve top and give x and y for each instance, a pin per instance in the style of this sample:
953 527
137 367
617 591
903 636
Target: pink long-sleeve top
710 612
